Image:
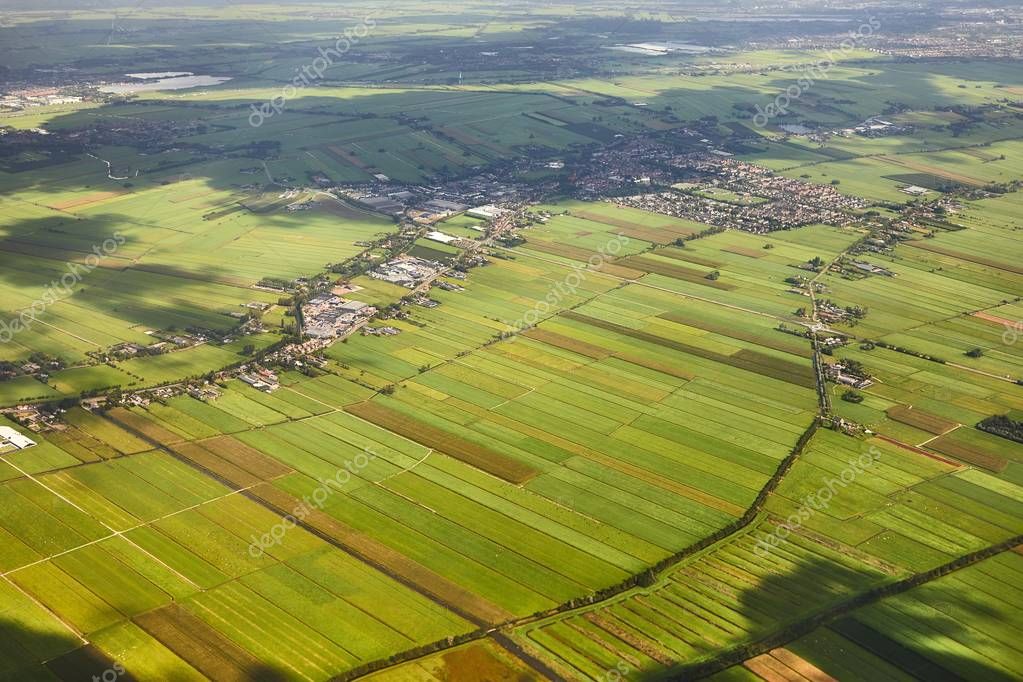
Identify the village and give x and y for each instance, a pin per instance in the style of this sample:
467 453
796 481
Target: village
642 172
784 202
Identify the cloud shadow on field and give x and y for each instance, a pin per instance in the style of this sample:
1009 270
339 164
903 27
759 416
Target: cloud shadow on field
28 653
784 605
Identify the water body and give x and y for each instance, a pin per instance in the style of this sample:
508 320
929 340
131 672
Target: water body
177 82
662 48
159 74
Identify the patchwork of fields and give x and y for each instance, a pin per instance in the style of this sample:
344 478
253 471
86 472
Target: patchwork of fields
632 420
906 514
948 325
609 452
485 463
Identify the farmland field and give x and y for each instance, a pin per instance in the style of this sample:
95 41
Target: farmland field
969 614
539 342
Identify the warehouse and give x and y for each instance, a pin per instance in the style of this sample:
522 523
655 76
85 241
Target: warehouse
10 437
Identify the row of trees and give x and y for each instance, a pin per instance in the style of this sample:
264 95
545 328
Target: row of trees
1002 425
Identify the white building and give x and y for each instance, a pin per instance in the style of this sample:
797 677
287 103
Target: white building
488 212
915 191
9 436
441 237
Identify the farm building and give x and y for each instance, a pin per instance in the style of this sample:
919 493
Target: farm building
9 436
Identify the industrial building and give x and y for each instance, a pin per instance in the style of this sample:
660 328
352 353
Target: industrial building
12 438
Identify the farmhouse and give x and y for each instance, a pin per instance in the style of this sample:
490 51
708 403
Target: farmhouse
11 437
837 373
872 269
261 379
855 382
206 393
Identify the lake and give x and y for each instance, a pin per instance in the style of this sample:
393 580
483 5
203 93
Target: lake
170 80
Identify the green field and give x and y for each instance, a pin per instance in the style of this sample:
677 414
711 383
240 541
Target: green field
607 443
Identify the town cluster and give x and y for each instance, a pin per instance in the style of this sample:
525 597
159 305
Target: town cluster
790 203
36 97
